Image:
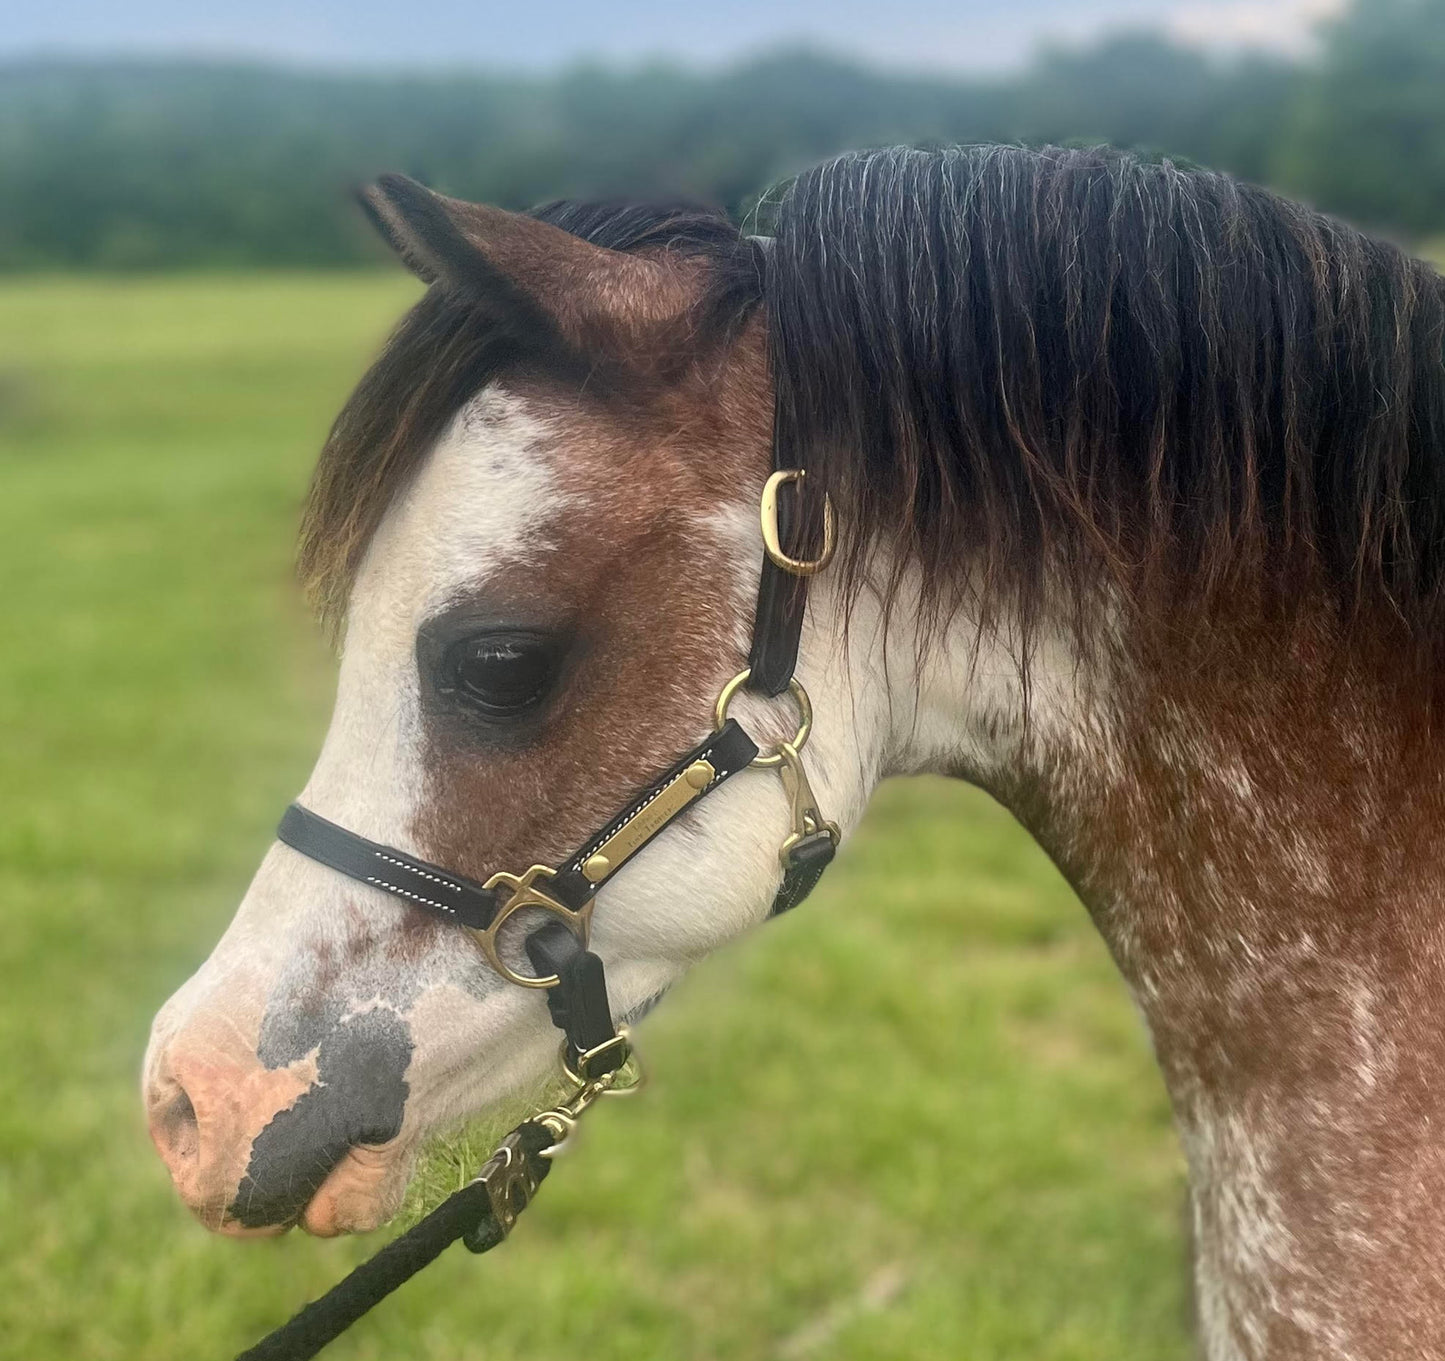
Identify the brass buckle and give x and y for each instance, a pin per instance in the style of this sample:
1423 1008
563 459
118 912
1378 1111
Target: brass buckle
799 567
773 759
525 893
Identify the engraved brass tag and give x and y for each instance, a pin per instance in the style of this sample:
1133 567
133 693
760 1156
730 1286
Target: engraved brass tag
670 800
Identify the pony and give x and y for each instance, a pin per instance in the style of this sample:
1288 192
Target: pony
1139 476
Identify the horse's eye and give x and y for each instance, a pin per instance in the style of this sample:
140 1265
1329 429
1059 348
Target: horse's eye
501 674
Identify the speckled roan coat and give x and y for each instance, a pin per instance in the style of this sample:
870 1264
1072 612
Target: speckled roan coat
1142 481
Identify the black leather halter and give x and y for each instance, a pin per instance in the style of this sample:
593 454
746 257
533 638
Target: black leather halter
566 891
595 1053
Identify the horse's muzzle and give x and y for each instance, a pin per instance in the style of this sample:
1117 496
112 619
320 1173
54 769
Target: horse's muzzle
255 1149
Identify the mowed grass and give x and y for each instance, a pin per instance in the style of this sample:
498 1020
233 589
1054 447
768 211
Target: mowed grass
916 1119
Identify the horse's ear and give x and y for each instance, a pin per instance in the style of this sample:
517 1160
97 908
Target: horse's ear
523 267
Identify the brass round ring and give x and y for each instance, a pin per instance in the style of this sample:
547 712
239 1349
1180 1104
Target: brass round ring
773 759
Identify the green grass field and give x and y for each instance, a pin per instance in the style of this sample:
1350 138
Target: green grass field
917 1119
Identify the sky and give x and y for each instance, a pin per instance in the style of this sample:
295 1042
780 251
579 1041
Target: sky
961 35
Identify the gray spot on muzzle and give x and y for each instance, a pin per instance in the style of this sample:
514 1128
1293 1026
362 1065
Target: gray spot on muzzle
357 1098
289 1032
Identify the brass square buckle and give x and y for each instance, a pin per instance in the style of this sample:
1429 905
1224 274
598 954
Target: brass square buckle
772 539
525 893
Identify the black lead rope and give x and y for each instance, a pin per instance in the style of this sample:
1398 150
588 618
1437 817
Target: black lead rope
578 1006
595 1053
465 1214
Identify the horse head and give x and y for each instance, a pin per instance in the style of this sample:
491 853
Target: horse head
1140 492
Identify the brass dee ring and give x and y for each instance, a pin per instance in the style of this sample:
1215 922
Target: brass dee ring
800 698
526 894
772 540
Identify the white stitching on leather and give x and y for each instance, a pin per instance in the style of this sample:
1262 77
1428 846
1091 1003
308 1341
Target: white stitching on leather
416 897
420 873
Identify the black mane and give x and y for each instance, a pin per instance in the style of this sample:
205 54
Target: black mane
1013 363
1031 360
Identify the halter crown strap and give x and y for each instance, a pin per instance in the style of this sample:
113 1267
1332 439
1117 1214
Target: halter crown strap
782 592
777 635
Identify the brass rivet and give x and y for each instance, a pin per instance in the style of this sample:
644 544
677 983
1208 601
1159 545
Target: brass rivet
595 867
699 774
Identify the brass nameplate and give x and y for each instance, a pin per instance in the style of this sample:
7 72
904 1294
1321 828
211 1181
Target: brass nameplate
674 796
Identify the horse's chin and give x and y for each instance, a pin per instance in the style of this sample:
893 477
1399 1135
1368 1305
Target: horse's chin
362 1192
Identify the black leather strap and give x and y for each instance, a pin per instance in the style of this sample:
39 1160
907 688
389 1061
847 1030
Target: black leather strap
782 601
777 633
462 900
806 863
782 597
578 1004
418 881
728 750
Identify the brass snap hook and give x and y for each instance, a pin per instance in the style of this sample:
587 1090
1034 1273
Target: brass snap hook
804 817
802 804
622 1080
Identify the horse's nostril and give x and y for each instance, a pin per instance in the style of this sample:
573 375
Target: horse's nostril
203 1113
174 1129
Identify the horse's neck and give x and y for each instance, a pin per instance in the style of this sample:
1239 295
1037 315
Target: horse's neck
1259 843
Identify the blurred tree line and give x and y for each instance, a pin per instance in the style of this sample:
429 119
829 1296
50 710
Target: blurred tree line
121 165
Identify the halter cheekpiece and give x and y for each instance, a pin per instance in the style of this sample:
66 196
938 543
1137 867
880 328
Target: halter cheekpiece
597 1056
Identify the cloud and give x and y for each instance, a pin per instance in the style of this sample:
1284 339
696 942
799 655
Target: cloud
951 35
1285 26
